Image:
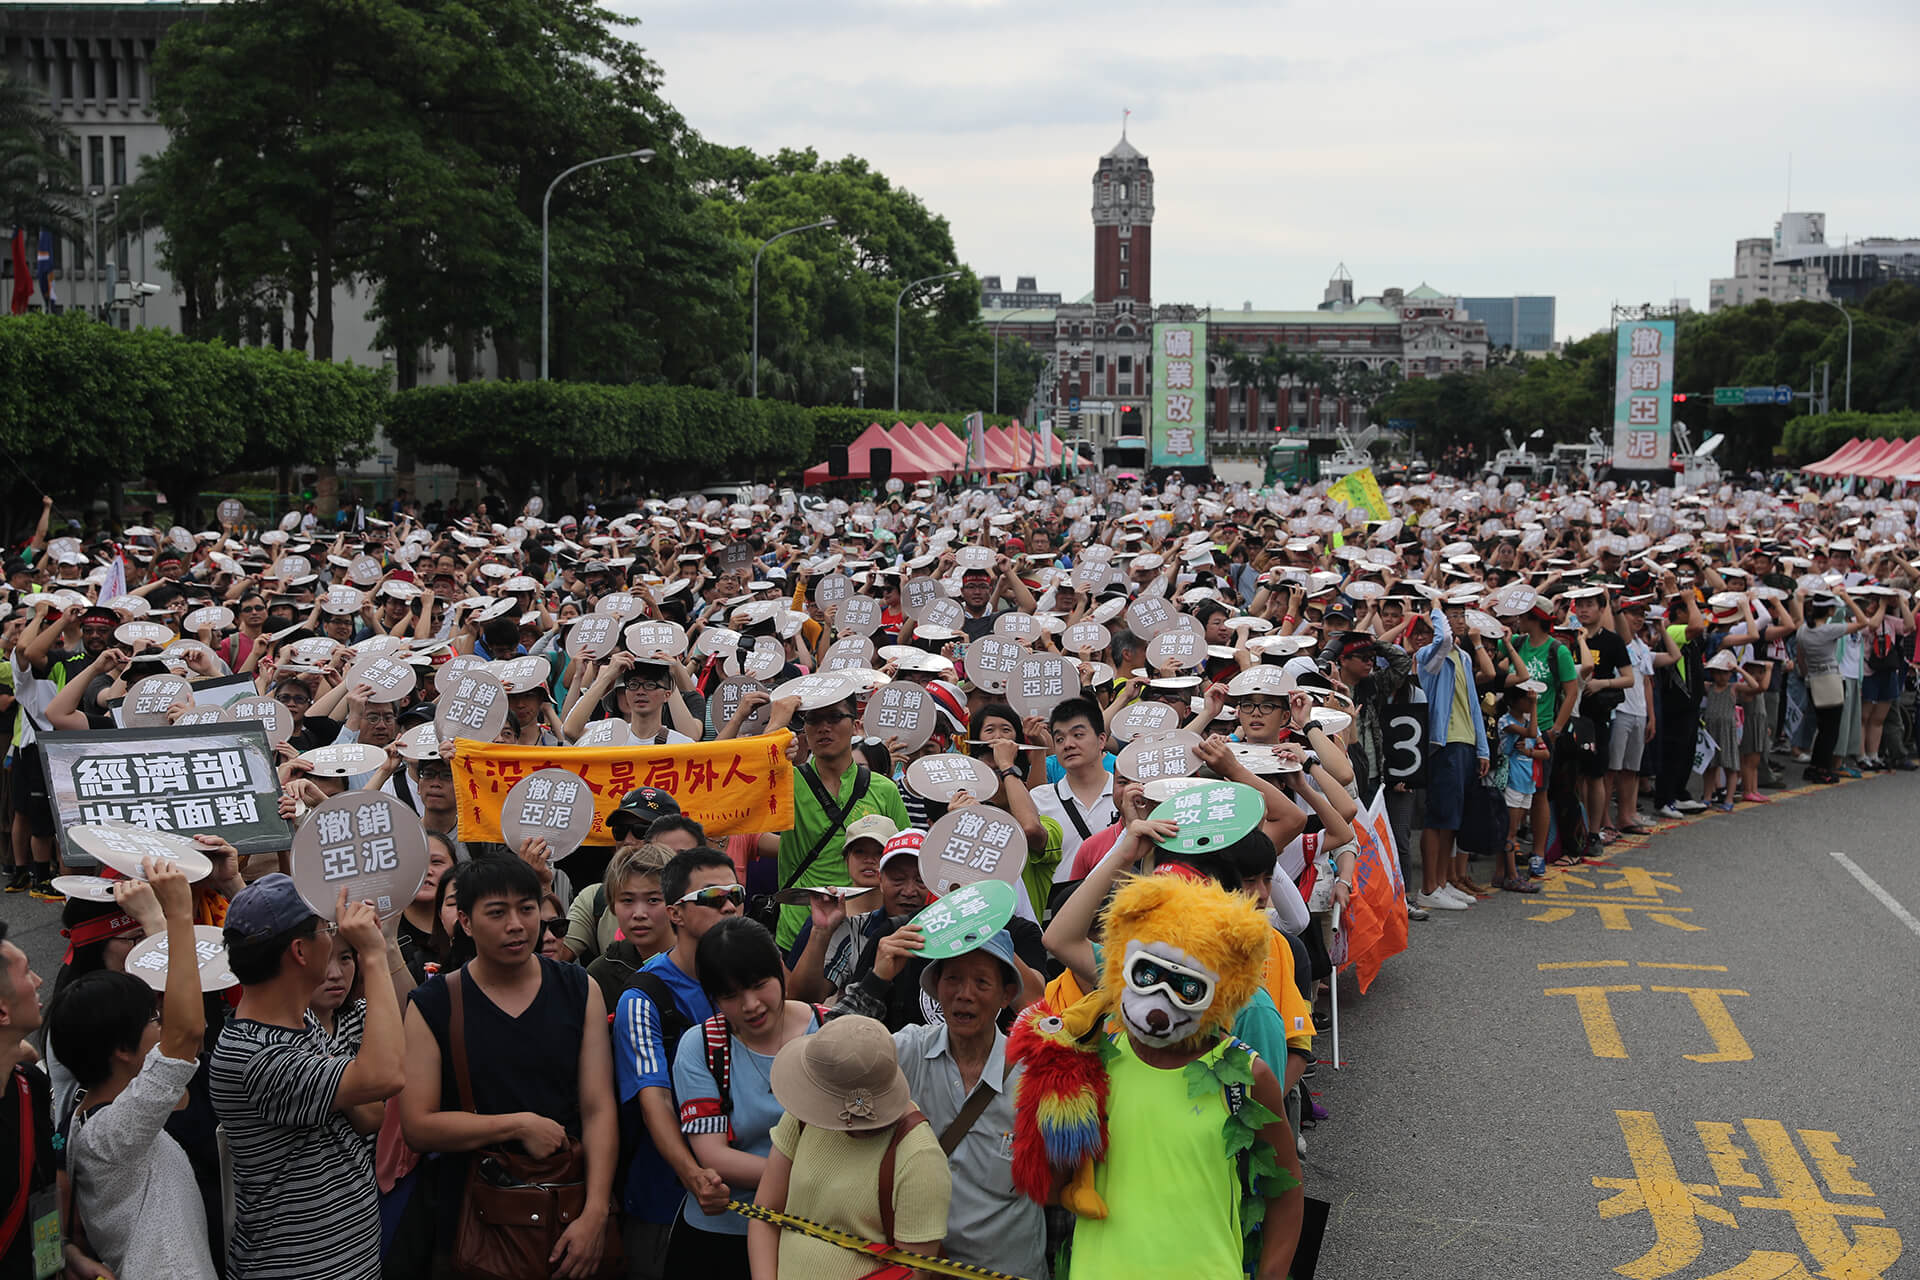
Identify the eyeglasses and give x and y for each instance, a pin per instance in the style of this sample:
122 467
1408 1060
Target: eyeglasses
825 717
1261 706
378 717
435 770
715 896
654 685
1188 989
555 925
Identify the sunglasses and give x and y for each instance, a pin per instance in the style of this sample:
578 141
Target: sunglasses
825 717
715 896
555 925
1189 990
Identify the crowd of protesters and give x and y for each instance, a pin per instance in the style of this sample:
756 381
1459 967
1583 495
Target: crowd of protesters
1519 677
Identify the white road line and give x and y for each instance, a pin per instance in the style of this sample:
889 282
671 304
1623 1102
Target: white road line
1887 900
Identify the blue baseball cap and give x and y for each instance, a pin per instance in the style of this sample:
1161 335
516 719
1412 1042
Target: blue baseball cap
270 905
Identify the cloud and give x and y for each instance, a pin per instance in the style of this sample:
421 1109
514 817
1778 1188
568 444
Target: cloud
1588 152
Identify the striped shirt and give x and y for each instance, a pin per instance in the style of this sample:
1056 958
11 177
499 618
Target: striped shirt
305 1203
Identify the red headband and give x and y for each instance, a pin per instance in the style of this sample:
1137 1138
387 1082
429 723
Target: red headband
98 929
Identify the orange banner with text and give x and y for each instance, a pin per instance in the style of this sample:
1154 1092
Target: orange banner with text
736 787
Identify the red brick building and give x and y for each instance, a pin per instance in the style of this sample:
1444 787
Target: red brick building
1100 344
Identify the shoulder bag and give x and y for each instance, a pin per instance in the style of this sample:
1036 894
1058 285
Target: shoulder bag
765 907
515 1206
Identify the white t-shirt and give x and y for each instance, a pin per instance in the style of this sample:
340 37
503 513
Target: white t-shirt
1053 800
1640 658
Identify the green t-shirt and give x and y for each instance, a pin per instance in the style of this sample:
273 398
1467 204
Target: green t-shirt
810 823
1551 663
1166 1148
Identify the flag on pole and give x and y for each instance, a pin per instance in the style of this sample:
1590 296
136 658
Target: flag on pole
1361 490
22 276
43 270
1377 909
976 424
115 583
1046 441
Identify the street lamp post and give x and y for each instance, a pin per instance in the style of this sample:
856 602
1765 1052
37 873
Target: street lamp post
643 155
897 300
1849 318
827 221
996 352
859 387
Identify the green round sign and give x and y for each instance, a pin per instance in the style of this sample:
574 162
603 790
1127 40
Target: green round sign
1211 817
965 918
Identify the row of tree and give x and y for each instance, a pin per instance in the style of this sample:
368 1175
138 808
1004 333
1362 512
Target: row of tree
406 149
569 438
84 405
1571 393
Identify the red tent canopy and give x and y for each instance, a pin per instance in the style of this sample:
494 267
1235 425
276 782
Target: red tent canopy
956 447
1867 459
1902 460
1838 458
908 466
933 445
906 444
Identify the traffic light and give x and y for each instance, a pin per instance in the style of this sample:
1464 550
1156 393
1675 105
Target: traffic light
1679 397
1130 420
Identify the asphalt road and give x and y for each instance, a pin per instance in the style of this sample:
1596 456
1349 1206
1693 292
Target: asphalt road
1775 1132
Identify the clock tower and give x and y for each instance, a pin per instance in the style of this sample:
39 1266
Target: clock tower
1123 229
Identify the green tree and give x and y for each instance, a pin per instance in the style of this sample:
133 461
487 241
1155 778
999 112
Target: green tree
37 183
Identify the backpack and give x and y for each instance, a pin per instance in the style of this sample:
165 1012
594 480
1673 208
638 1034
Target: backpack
1883 653
673 1023
719 1047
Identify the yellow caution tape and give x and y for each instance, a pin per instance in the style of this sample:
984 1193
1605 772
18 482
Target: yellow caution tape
868 1248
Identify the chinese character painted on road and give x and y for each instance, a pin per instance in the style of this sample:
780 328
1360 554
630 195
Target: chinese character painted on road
1817 1206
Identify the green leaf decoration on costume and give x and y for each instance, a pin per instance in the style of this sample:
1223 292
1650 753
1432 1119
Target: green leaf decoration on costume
1253 1209
1235 1067
1255 1116
1266 1164
1239 1137
1200 1078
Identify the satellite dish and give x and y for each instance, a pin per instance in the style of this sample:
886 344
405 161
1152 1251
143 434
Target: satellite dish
1713 442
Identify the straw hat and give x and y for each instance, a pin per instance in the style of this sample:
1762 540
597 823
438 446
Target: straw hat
844 1077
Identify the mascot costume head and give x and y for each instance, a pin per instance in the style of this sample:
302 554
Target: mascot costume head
1182 957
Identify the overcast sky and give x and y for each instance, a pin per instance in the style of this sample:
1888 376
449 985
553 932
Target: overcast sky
1595 152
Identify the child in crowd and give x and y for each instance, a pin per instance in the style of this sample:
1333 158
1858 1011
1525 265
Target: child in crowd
1727 686
1522 751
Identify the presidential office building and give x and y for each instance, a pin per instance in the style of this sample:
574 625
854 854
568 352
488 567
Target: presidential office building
1100 345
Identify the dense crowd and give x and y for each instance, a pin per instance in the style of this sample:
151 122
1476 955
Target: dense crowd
738 1053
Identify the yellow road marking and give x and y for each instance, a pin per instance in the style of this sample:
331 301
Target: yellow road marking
1603 1033
1583 964
1836 1168
1726 1156
1700 968
1708 1002
1656 1190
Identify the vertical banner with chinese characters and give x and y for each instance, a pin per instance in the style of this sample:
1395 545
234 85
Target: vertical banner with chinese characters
216 778
732 787
1643 395
1179 430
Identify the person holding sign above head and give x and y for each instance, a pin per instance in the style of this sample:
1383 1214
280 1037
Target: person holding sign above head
647 694
135 1201
305 1201
957 1070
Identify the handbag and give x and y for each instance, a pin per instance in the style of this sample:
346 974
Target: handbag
515 1206
1826 690
765 907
